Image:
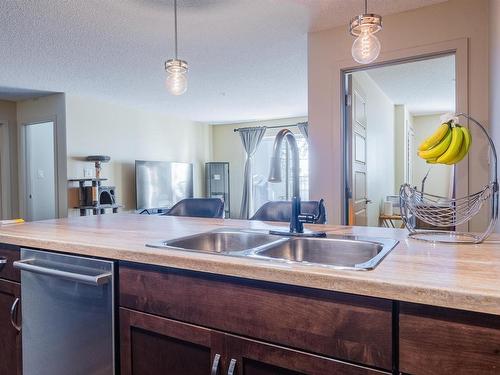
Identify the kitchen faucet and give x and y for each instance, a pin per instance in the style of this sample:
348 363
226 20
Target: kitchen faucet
297 219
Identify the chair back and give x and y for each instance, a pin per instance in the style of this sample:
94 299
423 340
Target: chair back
282 211
198 207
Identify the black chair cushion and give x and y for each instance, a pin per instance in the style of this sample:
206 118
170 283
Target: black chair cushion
282 211
198 207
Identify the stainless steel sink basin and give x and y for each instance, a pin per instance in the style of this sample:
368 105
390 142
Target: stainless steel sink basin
338 252
222 241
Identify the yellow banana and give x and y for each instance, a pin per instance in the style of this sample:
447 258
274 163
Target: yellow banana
451 153
431 161
439 149
435 138
465 146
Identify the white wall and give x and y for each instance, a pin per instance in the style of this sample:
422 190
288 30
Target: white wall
494 44
438 181
421 27
226 146
47 108
380 145
399 145
126 134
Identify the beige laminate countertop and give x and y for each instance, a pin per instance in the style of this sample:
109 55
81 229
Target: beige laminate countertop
457 276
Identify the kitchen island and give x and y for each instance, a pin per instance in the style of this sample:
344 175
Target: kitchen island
425 308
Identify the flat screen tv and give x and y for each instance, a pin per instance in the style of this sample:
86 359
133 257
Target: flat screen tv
161 184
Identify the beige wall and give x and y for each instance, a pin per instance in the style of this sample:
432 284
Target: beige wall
10 203
417 28
127 134
47 108
226 146
380 147
438 181
494 44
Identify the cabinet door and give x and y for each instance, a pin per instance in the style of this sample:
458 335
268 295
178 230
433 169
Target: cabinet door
152 345
250 357
436 340
10 338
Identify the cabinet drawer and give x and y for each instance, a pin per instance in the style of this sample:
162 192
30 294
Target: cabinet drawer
444 341
337 325
10 253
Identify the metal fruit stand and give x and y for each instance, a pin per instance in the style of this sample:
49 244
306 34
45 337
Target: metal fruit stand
451 212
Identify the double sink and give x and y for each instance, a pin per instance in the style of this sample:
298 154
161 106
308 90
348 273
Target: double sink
337 252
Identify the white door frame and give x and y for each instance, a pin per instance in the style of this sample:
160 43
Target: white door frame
5 171
23 167
458 47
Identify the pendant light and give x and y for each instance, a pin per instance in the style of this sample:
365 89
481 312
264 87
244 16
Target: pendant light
176 69
366 46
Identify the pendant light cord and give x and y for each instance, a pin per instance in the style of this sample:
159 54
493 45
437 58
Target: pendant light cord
366 6
175 25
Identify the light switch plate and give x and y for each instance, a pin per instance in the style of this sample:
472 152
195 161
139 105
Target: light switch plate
88 172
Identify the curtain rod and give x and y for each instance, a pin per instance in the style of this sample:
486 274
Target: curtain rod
270 127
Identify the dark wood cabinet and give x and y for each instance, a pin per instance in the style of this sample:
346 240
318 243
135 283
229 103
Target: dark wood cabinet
152 345
251 357
8 255
261 328
10 338
341 326
435 340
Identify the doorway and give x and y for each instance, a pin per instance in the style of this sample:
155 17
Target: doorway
390 109
40 167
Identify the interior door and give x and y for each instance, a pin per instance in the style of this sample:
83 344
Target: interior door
40 171
357 139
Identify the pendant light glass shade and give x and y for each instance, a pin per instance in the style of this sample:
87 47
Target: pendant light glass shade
366 46
176 69
176 81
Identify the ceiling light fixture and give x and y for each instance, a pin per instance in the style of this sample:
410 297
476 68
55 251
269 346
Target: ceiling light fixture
176 69
366 47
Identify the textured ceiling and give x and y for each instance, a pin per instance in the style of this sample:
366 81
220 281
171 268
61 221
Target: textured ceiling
426 86
248 58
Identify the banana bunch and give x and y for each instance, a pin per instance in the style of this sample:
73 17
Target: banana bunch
448 145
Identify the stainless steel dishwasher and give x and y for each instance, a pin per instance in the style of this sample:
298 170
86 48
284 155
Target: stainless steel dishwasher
67 314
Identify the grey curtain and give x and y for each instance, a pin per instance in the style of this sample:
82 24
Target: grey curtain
304 129
251 138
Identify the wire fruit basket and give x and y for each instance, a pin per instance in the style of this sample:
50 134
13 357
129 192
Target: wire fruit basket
444 212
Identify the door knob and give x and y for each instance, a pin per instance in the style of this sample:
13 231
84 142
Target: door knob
368 200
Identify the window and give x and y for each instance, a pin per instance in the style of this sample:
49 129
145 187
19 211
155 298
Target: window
263 190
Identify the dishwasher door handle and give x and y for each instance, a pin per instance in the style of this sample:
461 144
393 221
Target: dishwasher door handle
30 266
